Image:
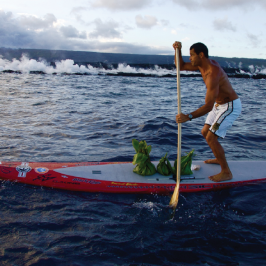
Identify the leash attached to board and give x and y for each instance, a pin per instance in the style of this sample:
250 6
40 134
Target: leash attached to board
174 199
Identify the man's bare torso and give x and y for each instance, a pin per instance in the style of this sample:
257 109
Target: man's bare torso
226 91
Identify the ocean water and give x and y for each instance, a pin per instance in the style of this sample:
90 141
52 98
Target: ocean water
70 117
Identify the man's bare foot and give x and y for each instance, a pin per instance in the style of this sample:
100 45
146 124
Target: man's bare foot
221 177
212 161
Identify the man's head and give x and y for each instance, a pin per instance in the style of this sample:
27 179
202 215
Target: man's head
197 52
200 48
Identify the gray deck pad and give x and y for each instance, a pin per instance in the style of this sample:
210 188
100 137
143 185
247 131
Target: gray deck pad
123 172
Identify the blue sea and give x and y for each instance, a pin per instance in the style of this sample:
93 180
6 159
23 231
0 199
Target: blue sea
72 117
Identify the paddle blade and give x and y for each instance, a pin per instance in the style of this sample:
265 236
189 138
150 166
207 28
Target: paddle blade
174 199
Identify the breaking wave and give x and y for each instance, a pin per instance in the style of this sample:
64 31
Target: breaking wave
68 67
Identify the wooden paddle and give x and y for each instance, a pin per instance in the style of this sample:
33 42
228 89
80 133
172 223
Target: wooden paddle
174 199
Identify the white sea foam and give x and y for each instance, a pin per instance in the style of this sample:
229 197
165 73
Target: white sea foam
257 69
26 65
263 71
68 66
252 69
151 206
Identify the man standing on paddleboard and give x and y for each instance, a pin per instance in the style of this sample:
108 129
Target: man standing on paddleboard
221 102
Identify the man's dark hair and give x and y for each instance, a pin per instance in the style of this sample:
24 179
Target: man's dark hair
200 47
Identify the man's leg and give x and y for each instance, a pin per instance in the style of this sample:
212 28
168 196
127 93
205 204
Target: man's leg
219 154
204 132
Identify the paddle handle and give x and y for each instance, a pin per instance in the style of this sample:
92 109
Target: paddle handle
178 81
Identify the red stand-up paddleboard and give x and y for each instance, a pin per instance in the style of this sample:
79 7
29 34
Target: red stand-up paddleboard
115 177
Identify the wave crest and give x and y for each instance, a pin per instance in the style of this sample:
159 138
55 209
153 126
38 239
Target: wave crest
68 66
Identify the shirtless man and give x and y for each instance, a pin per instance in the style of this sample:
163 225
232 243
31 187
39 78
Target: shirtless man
221 102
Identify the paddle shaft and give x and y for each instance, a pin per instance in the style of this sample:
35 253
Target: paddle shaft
174 199
179 112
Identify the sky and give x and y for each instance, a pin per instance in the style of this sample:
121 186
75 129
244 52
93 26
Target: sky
229 28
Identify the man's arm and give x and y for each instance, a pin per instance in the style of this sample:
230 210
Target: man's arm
183 65
212 84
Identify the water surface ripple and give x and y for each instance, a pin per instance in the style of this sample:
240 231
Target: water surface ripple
94 118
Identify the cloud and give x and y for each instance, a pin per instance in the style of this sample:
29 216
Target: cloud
164 22
228 4
218 4
72 32
188 26
254 39
185 39
189 4
223 24
35 23
128 48
147 22
105 29
76 13
174 32
15 35
120 4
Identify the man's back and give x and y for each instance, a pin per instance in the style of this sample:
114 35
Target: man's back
214 73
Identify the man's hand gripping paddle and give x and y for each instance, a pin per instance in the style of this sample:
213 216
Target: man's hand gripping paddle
174 199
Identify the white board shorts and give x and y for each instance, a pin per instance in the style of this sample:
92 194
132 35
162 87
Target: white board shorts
222 116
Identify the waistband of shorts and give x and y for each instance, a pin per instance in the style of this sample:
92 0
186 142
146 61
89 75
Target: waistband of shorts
236 101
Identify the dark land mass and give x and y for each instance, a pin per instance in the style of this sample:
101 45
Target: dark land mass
109 58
